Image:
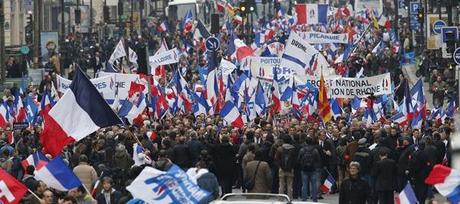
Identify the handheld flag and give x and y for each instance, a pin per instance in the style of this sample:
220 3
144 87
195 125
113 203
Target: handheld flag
327 185
56 174
311 13
37 159
11 190
446 181
172 186
81 111
231 115
118 52
407 196
323 103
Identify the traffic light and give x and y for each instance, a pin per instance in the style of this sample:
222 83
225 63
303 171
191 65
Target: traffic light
120 8
29 29
77 16
243 7
406 4
421 15
106 14
2 17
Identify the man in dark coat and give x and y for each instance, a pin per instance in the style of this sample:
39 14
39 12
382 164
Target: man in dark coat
181 154
384 173
354 190
405 154
419 168
224 158
329 158
195 147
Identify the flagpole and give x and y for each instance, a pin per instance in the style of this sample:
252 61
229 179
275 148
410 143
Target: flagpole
360 38
86 189
35 195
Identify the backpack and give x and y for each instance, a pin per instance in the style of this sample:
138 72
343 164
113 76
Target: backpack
287 159
307 159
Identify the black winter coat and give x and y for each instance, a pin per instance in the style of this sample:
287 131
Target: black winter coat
224 158
384 172
181 156
354 191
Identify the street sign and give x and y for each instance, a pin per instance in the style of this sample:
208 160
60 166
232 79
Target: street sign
456 56
448 29
414 7
25 50
437 25
212 44
413 11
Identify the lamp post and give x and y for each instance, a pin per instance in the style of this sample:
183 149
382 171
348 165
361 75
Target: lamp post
2 42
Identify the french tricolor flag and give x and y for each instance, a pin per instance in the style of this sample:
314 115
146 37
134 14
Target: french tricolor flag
4 116
200 106
241 50
311 14
407 196
163 27
133 107
37 159
20 111
327 185
56 174
231 115
81 111
446 181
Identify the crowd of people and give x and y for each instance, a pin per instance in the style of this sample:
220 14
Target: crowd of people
271 154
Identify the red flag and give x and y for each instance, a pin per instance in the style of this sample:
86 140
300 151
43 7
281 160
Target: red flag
323 103
11 190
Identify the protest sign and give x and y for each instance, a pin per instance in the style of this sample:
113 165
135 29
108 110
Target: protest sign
123 83
318 37
172 186
105 85
164 58
343 87
262 67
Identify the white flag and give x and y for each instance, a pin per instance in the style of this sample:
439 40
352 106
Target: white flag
164 58
227 67
118 52
132 56
303 59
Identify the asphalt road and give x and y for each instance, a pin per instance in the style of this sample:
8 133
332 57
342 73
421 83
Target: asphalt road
334 198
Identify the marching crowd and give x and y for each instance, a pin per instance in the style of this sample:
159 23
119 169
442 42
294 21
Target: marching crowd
367 163
364 163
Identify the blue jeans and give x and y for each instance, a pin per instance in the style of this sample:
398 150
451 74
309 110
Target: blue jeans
310 182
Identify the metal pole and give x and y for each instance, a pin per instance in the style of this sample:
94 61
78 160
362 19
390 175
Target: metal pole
2 42
62 23
121 31
131 27
141 9
396 22
37 28
90 17
449 12
439 9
